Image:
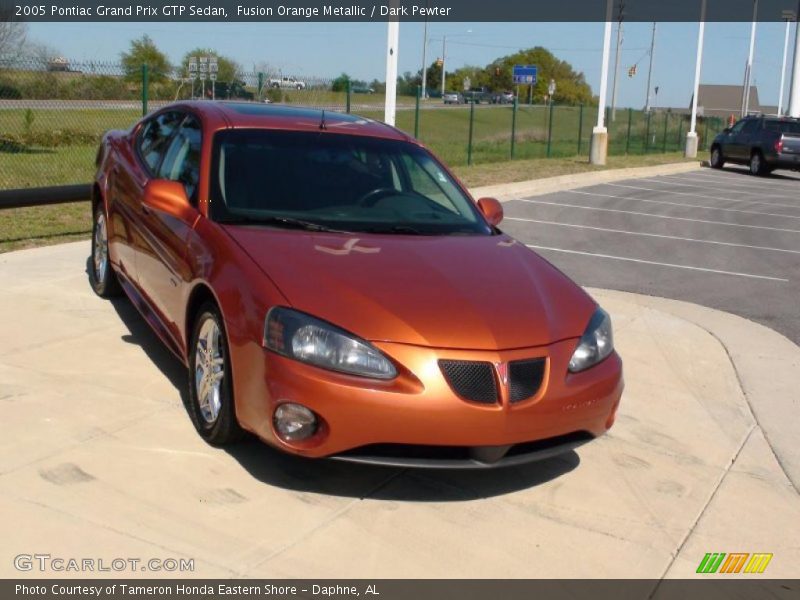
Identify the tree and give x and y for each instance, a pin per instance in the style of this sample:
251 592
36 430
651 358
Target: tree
12 37
143 51
340 83
228 69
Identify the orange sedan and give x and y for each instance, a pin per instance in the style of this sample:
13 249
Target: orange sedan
333 289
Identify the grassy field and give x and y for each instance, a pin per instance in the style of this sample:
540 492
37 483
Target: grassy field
445 131
45 225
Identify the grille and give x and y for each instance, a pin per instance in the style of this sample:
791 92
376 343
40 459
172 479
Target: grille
525 378
471 380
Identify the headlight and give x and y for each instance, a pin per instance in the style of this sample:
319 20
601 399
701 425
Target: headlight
596 343
304 338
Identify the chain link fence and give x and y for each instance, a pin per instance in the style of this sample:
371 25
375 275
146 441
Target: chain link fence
54 111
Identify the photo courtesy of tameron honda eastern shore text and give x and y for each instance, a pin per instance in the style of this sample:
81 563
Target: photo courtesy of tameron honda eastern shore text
334 290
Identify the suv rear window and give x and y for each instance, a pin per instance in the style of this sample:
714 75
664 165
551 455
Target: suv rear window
782 126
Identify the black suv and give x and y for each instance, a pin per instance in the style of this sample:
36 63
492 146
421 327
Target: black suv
763 143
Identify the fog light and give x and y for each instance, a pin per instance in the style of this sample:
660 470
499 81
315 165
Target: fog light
294 422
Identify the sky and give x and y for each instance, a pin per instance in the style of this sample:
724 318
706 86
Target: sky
328 49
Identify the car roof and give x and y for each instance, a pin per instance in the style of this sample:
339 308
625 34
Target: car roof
255 115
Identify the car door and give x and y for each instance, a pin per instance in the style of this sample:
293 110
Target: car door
732 145
162 266
138 161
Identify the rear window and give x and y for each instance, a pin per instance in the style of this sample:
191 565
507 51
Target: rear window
782 126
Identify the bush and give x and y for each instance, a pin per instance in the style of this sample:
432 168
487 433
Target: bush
9 92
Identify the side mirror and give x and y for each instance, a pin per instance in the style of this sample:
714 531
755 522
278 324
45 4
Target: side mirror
166 195
492 210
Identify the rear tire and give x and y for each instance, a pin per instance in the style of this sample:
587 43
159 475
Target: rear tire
717 161
101 273
211 403
757 165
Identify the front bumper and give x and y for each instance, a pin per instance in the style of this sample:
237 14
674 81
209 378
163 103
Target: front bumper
419 418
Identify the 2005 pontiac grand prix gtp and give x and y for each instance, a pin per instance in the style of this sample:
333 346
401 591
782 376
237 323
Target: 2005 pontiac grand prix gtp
333 289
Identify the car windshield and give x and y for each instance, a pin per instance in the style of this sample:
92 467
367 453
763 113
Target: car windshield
332 181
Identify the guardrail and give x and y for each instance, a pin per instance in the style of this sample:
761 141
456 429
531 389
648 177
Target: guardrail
44 196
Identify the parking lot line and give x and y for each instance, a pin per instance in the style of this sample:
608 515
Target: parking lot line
729 178
702 187
654 235
722 184
659 264
643 214
684 204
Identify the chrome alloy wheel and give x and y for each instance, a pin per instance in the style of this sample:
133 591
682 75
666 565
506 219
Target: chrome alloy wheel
209 370
100 247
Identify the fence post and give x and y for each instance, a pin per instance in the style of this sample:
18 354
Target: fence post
416 112
348 96
550 130
705 133
471 121
260 85
580 129
628 139
647 133
513 127
144 90
666 126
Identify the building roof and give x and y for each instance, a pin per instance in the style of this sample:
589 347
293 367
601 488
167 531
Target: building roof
723 100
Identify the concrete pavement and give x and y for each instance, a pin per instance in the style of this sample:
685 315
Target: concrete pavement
99 459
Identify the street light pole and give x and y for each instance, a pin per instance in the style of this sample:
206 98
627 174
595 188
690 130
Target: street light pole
788 17
794 87
599 150
749 70
425 61
650 70
392 41
691 137
616 63
444 61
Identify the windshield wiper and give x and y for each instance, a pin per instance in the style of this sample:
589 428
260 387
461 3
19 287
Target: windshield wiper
287 221
399 229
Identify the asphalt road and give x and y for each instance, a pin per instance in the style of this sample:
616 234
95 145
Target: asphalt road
723 239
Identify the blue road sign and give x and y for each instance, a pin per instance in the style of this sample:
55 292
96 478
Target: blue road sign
525 74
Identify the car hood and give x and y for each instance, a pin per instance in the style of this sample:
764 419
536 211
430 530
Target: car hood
465 292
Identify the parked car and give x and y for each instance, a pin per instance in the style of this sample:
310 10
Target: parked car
453 98
503 98
333 289
763 143
361 89
478 95
287 83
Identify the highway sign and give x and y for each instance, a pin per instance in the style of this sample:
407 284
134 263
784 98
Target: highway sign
525 75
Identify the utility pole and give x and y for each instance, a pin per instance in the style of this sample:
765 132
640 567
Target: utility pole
794 87
748 75
425 61
444 61
691 137
392 40
788 16
650 70
620 18
599 150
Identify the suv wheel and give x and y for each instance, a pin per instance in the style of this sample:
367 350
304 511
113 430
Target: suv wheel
717 161
757 165
211 404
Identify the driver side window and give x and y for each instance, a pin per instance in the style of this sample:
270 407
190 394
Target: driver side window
154 137
738 127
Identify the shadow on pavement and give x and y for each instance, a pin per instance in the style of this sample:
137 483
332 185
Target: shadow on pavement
338 478
744 171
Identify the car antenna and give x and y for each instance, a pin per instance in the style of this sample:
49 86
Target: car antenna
322 122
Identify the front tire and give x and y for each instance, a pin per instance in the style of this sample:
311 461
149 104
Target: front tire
717 160
101 273
211 403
